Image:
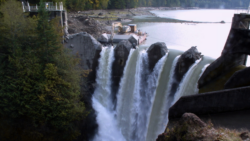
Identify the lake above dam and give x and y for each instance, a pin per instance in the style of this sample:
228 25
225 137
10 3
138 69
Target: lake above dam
209 35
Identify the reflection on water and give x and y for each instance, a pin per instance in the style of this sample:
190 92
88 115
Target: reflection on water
208 15
209 38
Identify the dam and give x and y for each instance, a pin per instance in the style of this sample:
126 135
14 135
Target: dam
137 90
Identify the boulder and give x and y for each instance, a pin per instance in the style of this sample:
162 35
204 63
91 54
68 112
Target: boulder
155 52
121 53
186 60
244 136
104 38
71 30
191 119
189 128
70 22
240 78
224 64
82 18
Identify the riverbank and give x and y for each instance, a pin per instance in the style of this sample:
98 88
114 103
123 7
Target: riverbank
96 22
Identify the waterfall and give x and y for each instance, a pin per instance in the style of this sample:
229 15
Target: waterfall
125 93
196 90
143 98
101 100
149 85
190 88
158 109
183 85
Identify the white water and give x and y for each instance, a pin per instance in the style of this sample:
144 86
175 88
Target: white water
102 100
143 98
196 90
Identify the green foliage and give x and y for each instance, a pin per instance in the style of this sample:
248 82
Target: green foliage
2 1
76 5
39 80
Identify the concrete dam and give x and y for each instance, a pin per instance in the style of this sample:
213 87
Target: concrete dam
137 90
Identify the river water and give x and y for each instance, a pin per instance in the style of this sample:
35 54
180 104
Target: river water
209 36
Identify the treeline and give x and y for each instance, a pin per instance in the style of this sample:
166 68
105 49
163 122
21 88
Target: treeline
124 4
76 5
40 96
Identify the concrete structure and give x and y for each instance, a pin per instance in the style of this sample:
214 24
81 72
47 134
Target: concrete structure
120 37
212 102
234 53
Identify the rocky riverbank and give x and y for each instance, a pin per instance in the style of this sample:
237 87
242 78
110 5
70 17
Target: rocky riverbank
191 128
96 22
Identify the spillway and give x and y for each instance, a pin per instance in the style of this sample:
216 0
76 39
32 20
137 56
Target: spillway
143 98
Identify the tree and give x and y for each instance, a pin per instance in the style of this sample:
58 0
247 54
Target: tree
39 79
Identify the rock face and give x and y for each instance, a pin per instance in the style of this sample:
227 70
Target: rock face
155 52
239 79
121 53
88 50
85 46
186 60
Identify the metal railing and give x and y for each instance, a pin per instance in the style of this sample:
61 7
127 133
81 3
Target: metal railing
49 7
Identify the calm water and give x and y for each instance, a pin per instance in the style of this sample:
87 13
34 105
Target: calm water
208 15
209 38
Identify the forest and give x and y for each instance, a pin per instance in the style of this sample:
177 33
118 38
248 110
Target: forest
39 78
76 5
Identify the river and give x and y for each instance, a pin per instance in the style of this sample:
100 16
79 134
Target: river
209 36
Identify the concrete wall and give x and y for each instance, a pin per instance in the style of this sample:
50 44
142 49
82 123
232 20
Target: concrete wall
212 102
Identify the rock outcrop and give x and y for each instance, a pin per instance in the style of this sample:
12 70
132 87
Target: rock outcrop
187 128
191 128
85 46
186 60
240 78
121 53
155 52
88 50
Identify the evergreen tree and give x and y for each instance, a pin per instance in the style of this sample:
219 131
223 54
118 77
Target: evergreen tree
39 80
